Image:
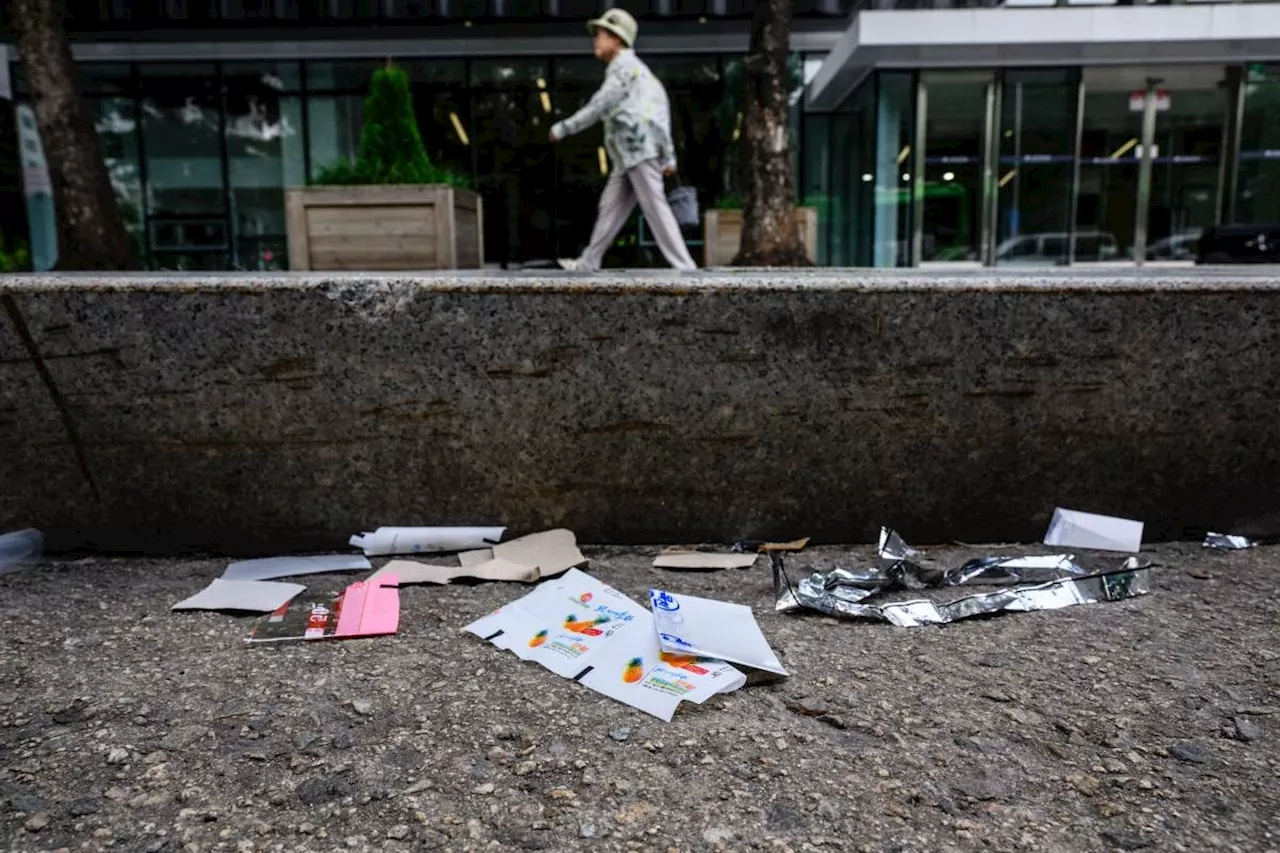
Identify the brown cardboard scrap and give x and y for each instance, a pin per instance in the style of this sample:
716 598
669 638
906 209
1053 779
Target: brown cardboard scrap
696 560
552 551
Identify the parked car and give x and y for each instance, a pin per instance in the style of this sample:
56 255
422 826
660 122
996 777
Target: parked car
1240 244
1051 248
1176 247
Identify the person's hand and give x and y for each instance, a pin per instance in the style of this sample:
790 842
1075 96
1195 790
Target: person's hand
670 171
551 135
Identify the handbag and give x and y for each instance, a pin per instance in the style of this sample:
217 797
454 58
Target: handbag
684 204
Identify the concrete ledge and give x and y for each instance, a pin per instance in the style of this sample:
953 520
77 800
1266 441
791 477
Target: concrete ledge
261 414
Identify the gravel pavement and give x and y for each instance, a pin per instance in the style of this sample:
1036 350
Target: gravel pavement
1146 724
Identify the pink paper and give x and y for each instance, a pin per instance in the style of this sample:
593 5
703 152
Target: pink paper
370 608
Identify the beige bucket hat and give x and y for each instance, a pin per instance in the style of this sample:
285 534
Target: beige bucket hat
619 22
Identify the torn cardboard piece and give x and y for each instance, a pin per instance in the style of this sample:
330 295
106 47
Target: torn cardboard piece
701 560
254 596
758 546
551 552
288 567
582 629
708 628
425 540
1071 528
364 609
411 572
476 557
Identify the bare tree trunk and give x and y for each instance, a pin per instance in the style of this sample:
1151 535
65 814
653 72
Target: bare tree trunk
91 235
770 236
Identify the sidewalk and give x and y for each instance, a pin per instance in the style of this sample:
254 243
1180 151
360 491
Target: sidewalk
1101 727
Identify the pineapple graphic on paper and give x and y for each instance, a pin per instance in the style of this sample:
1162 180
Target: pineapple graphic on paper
634 671
538 639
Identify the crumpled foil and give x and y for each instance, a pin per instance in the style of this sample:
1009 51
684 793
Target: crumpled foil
1228 542
1046 582
1010 570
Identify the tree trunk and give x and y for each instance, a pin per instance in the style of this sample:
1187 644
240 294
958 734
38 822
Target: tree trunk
91 235
770 237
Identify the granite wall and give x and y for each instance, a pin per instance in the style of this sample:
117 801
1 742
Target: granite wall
262 415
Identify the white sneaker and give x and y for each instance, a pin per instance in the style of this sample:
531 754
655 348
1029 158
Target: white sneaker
569 264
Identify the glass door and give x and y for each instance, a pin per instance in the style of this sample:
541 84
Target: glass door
953 170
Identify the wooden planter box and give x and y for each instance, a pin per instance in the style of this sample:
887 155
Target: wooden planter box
722 234
413 227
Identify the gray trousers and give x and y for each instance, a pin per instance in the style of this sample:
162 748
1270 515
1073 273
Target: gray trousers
642 183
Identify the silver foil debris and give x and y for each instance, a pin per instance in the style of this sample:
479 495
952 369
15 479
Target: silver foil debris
1047 582
1228 542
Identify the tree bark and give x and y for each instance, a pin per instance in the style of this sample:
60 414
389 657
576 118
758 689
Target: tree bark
770 236
91 234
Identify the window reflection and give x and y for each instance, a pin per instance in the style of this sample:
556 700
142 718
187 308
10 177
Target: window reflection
264 155
186 198
1034 174
1258 194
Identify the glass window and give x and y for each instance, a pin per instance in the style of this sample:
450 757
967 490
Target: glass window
894 124
514 161
182 139
1191 107
264 155
956 117
1110 154
117 127
333 129
815 191
1037 150
273 77
1190 104
1258 184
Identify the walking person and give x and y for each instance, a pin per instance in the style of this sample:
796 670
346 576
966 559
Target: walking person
633 105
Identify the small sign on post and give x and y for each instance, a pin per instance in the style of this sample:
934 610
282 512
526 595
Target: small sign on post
1138 100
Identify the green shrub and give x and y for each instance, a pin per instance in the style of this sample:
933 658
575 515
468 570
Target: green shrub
391 149
14 258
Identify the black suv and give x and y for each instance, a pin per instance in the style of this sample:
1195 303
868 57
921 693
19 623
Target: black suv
1240 244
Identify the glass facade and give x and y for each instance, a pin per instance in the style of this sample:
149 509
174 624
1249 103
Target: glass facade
201 153
1031 166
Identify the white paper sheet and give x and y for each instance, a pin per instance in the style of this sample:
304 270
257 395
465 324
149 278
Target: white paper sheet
709 628
425 540
1071 528
698 560
580 628
258 596
288 567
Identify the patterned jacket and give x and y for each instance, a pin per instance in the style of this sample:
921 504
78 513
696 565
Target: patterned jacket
633 105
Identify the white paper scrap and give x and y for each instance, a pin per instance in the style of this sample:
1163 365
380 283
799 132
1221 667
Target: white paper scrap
1071 528
425 540
258 596
709 628
580 628
287 567
695 560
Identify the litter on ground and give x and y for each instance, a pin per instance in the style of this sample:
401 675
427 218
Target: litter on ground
251 596
1071 528
583 629
425 540
363 609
